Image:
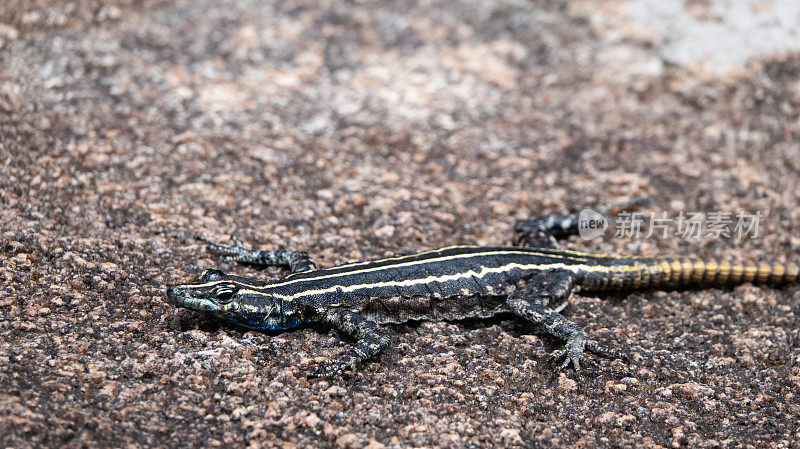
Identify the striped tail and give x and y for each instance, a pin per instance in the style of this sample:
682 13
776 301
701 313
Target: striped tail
627 273
688 271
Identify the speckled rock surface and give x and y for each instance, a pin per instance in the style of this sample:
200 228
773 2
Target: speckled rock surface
354 130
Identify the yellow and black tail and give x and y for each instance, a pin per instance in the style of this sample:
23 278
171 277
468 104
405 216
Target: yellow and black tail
688 271
675 272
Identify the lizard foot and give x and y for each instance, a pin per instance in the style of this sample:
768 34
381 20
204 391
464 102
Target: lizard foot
330 369
574 353
231 252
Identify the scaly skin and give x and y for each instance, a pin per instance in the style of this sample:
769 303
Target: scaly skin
534 280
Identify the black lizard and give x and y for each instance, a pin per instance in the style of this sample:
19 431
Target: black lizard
533 279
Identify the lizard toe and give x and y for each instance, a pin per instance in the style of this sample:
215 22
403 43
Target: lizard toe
606 352
327 369
331 369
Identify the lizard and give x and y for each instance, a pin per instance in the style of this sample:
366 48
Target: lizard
533 279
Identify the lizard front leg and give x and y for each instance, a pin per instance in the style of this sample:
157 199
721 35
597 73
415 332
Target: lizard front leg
296 261
371 340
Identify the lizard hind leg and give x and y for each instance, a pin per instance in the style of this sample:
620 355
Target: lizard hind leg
536 232
543 232
538 303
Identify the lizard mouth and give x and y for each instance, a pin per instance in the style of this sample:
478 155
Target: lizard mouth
189 298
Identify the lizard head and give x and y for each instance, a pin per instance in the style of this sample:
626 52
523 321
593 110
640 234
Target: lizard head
229 298
211 292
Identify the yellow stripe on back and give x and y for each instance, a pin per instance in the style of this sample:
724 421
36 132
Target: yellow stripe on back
406 264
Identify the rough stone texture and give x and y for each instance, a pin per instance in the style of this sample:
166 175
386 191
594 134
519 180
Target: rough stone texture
354 130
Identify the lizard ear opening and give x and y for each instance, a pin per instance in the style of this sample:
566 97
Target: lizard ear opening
211 275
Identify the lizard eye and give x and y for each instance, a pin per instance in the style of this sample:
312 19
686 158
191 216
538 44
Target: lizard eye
223 294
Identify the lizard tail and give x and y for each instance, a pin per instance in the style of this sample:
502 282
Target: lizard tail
688 271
